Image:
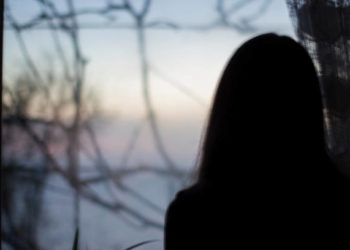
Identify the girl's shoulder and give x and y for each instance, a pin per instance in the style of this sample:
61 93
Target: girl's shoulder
190 197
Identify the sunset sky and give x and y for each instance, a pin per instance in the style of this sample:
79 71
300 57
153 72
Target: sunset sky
193 59
190 58
181 61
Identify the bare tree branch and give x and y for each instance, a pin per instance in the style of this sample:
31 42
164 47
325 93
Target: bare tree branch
65 22
183 89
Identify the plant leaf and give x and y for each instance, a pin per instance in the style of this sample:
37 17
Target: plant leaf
76 239
140 244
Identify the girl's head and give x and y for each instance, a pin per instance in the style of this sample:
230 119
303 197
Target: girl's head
267 113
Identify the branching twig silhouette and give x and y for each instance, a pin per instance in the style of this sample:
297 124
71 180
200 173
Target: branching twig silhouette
69 91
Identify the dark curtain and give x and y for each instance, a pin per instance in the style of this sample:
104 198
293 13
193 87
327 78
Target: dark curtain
323 28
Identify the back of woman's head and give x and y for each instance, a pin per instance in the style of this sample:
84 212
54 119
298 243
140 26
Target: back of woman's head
266 118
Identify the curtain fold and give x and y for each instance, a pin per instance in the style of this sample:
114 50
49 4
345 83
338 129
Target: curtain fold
323 28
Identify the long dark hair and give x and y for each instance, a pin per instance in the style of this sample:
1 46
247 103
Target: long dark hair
266 118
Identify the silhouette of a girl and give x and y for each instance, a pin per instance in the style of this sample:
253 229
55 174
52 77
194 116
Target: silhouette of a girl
265 178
